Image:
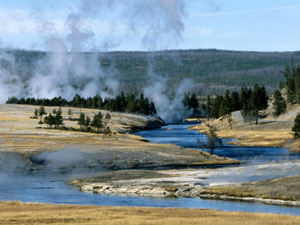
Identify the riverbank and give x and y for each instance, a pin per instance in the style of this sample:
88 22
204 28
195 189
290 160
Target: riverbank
230 183
269 132
34 213
19 133
283 191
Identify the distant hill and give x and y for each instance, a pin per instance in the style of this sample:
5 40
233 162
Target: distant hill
213 71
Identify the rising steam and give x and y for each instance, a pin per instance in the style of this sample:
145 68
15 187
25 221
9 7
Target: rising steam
67 70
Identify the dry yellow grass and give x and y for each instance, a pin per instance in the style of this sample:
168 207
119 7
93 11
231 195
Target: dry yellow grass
286 189
264 135
18 133
258 138
38 214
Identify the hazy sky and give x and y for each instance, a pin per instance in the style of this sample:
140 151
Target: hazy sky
262 25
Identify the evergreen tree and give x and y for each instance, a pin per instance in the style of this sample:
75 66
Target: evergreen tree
236 104
244 98
49 120
186 99
58 118
36 113
97 122
227 103
208 107
131 105
87 122
152 109
217 108
81 121
279 104
193 102
258 101
296 127
42 112
121 103
107 119
252 102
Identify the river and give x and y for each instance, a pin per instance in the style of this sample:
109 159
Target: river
39 186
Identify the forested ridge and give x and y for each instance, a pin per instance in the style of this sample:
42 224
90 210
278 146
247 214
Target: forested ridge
220 69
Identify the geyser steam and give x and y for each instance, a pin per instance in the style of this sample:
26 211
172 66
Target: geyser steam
67 70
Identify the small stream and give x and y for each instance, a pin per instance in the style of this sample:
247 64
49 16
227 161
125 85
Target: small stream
39 186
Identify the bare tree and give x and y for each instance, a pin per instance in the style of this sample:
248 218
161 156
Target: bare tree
212 140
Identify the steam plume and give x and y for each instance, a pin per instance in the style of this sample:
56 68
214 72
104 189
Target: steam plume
67 70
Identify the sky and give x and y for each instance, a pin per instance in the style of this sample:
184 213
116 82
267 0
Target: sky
252 25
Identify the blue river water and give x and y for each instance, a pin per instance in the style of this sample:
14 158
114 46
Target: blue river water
37 187
179 134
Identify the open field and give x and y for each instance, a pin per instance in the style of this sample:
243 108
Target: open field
21 214
18 133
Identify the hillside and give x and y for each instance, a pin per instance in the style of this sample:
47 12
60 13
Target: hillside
269 132
220 69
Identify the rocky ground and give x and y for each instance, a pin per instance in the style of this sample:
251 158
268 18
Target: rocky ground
285 189
230 183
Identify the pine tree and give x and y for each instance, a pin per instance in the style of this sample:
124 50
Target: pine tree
193 103
152 109
289 74
296 127
97 122
36 113
42 111
236 104
49 120
58 118
279 104
227 103
258 101
208 107
81 121
87 122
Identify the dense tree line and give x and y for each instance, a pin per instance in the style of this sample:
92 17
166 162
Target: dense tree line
249 100
190 101
292 83
120 103
290 88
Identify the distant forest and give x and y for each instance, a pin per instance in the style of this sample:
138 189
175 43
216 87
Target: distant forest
214 71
